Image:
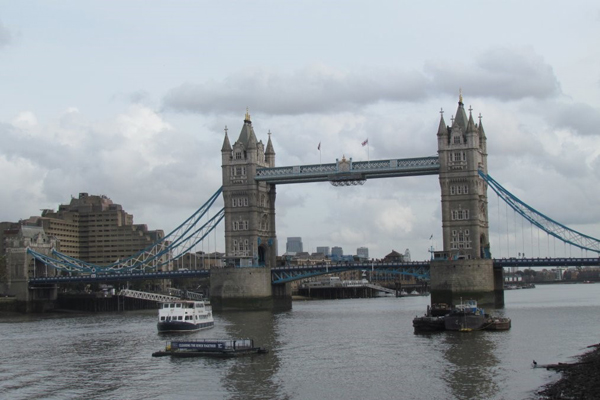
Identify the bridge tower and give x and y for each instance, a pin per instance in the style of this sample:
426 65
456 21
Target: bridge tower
464 269
250 236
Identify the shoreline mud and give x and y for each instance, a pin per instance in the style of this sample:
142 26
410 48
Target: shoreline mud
578 380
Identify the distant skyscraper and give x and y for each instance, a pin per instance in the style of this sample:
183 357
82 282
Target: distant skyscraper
363 252
294 245
324 250
337 251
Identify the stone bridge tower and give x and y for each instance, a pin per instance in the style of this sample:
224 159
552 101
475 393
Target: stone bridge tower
464 269
250 238
250 235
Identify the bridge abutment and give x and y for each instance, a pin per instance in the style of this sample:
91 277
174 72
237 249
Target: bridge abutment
247 289
453 281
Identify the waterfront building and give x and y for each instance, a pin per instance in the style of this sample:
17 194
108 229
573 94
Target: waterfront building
95 230
198 260
294 245
394 256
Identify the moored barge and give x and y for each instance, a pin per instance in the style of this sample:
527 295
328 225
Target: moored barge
465 317
210 348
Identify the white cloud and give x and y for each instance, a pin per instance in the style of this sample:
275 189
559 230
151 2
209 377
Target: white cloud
24 120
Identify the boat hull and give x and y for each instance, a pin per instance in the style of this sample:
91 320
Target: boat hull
210 348
499 324
223 354
429 324
458 322
181 326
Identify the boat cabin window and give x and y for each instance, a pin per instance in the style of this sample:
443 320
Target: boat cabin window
172 305
178 305
190 305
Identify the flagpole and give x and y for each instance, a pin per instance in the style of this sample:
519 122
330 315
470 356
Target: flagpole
319 147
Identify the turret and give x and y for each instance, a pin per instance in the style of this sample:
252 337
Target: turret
226 149
270 153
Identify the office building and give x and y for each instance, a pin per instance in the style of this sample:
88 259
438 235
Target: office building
337 251
362 253
94 229
294 245
324 250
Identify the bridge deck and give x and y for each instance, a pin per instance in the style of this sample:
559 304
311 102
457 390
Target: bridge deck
357 171
419 269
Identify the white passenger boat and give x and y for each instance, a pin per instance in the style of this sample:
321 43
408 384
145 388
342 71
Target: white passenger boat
184 315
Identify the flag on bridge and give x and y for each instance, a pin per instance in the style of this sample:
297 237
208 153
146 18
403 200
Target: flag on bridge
431 237
365 142
319 146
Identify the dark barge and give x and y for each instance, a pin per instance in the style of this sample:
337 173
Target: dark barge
464 318
210 348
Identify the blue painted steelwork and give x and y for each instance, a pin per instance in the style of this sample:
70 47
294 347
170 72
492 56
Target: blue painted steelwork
125 276
360 170
173 246
418 269
543 222
279 275
547 262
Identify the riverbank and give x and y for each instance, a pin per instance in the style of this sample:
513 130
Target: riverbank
579 380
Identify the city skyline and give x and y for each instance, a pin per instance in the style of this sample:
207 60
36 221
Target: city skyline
91 104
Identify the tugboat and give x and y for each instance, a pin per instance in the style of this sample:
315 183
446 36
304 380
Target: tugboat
466 317
184 316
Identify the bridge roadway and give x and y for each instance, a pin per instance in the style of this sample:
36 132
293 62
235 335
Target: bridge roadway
353 171
284 274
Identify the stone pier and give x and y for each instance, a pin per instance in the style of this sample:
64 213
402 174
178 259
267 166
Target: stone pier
453 281
247 289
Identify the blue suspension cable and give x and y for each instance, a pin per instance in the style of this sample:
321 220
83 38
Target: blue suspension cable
548 225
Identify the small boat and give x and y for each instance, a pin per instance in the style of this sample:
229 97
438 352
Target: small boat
498 324
427 323
184 316
403 293
210 348
465 317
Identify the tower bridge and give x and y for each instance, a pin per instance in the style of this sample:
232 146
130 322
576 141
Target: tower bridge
250 179
252 280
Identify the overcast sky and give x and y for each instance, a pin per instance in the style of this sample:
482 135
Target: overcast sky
129 99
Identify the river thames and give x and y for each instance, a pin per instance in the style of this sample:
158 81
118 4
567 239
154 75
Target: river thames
325 349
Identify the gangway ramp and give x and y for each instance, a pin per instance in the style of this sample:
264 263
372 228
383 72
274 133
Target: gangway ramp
380 288
158 297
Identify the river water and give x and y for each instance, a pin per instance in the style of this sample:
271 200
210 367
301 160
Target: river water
326 349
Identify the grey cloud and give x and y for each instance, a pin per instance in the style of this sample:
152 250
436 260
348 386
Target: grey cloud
5 36
502 73
580 118
311 90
